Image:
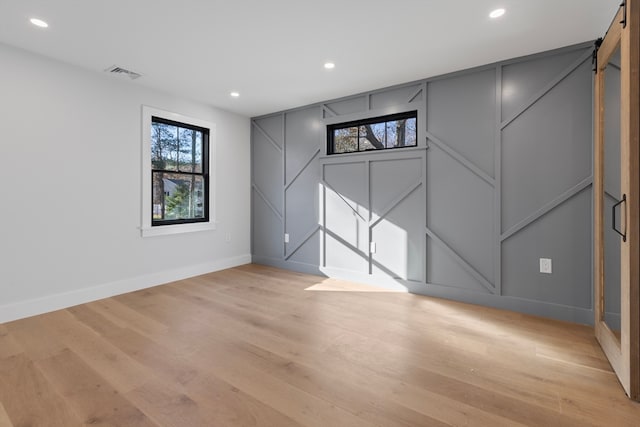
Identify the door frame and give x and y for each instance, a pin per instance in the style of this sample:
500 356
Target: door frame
623 354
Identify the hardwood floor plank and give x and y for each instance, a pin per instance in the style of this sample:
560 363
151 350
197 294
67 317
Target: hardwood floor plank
8 344
32 336
301 406
361 402
4 417
169 408
29 399
124 316
230 406
163 361
91 396
573 357
123 372
203 402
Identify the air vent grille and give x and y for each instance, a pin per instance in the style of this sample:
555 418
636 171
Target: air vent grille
123 71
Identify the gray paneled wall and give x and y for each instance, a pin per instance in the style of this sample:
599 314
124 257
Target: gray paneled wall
501 177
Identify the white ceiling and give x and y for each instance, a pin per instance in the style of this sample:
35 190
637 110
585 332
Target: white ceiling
273 51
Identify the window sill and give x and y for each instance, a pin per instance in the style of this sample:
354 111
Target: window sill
165 230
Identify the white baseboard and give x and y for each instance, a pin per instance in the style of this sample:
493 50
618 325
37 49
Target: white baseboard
32 307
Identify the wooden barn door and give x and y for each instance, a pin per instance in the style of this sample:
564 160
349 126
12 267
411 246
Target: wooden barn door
616 194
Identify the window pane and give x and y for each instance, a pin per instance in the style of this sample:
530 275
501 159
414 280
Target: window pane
393 133
396 131
372 136
178 196
411 138
164 146
198 152
345 140
190 150
401 133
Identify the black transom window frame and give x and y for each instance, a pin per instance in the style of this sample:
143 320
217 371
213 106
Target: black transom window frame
368 121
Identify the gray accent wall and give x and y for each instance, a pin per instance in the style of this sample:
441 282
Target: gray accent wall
501 177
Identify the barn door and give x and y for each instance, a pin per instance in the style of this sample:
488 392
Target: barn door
616 193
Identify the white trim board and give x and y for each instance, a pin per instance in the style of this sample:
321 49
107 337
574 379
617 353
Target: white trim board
146 229
32 307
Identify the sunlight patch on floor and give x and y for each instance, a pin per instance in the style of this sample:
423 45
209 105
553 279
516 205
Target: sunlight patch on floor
340 286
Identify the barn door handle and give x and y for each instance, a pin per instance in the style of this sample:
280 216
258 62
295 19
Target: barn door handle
613 215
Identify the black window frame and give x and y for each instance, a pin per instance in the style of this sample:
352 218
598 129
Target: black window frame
204 174
369 121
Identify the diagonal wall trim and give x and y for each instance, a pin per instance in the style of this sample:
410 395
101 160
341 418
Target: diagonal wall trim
468 267
343 242
415 94
326 108
461 159
264 198
266 135
570 193
406 193
497 188
553 83
326 185
315 153
363 255
303 241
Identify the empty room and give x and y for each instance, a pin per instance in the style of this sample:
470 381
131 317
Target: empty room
339 213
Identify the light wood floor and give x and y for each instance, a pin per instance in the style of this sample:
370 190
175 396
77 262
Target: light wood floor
260 346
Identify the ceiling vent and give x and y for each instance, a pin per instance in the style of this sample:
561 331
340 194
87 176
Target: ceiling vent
123 71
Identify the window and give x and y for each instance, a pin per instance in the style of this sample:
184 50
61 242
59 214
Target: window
176 173
379 133
179 172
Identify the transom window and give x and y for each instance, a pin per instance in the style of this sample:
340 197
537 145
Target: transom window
179 172
379 133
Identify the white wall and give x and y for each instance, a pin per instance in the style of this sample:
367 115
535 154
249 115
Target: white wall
70 191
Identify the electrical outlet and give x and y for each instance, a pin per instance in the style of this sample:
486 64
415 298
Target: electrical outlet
545 265
286 237
372 247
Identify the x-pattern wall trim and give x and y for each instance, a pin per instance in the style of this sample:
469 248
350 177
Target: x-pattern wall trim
460 159
483 272
553 83
570 193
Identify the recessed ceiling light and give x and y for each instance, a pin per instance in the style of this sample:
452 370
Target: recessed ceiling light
497 13
39 23
329 65
234 94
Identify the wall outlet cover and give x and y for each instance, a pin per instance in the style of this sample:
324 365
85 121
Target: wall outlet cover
545 265
286 237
